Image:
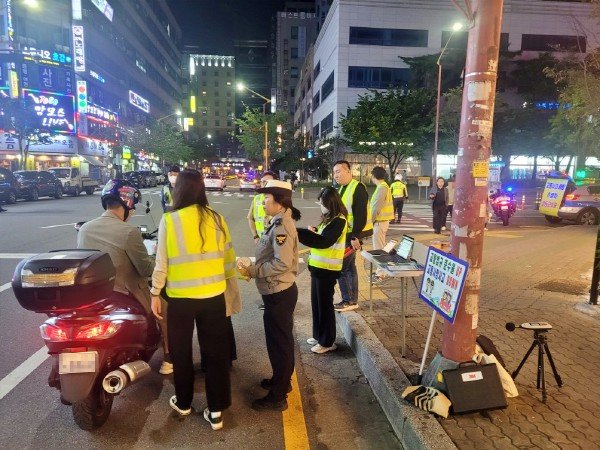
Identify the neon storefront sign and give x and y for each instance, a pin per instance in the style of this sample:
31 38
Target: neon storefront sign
55 112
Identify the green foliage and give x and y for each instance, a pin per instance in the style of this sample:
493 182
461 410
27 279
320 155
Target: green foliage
22 124
424 69
393 124
164 140
252 132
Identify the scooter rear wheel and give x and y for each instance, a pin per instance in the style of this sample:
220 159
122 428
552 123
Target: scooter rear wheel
93 411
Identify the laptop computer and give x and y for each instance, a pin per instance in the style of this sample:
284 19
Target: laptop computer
402 255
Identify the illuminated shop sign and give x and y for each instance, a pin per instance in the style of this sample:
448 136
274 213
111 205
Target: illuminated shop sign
104 8
97 76
82 100
139 102
55 112
103 114
78 48
8 23
43 56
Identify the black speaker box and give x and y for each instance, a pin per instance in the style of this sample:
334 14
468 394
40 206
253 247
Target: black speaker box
473 387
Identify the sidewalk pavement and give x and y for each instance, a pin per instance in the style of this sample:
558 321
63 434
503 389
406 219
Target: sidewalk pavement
544 276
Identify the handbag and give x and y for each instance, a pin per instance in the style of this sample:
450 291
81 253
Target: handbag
233 299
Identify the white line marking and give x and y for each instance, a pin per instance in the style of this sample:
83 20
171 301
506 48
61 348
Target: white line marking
4 287
10 381
15 255
62 225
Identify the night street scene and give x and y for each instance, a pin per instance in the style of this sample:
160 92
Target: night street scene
325 224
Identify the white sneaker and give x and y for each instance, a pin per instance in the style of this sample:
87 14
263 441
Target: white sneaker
173 404
215 419
443 228
166 368
320 349
312 341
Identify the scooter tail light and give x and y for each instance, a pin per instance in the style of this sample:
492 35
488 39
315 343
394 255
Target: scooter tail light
53 333
572 196
99 330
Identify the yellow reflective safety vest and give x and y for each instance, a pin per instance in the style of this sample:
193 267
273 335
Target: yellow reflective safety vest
387 212
258 212
347 199
168 196
329 258
198 268
398 189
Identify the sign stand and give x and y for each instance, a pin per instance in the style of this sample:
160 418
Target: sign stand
426 350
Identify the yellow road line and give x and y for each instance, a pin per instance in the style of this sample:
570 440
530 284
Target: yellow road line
295 435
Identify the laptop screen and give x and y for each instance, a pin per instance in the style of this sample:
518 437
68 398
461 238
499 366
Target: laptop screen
405 247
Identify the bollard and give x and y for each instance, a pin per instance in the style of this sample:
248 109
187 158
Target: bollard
538 200
523 202
302 192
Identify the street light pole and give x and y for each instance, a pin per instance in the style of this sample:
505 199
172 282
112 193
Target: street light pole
456 27
176 113
266 156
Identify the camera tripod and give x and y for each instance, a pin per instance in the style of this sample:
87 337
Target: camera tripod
541 341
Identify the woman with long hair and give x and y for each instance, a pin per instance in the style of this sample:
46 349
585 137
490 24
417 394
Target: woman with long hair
327 243
275 272
194 259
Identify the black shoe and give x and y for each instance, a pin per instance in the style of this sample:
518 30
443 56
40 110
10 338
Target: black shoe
266 403
267 383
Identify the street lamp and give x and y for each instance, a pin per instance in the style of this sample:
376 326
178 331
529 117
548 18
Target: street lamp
176 113
456 27
302 159
241 87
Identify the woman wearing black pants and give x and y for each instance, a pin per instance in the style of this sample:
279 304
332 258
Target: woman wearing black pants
439 203
327 243
275 272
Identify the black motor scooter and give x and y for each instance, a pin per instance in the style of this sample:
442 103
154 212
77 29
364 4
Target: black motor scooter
100 341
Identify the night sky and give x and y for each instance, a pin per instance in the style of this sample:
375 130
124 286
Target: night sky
213 25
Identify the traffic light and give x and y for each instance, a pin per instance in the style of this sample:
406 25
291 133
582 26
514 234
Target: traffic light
310 153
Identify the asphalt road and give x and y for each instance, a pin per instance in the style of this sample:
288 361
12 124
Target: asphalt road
338 409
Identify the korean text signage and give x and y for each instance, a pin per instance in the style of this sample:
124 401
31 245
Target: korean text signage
55 145
50 57
78 49
139 102
443 281
104 8
552 196
55 112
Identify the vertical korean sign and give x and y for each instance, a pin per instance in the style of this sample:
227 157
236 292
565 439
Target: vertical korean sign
443 282
78 49
552 196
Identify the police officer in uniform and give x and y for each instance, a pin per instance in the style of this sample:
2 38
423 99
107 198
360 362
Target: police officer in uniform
257 218
399 194
167 192
275 272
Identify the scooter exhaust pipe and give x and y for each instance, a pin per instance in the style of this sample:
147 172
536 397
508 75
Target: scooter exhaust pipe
117 380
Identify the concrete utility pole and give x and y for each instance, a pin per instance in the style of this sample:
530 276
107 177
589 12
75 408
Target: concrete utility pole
474 145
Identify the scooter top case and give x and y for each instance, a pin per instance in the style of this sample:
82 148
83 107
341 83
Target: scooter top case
63 280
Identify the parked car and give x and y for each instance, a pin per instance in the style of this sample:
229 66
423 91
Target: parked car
135 178
34 184
160 177
214 181
75 180
249 183
9 186
582 205
149 178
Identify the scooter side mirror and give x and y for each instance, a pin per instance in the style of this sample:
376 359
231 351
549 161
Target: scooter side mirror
78 225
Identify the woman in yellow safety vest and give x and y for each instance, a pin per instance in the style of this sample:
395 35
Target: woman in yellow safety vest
194 259
257 218
327 243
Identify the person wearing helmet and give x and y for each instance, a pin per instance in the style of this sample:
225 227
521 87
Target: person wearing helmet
123 242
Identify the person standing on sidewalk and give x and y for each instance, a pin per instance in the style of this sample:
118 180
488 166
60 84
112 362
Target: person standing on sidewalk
257 218
382 208
449 206
399 194
439 203
166 198
327 243
275 272
356 200
194 259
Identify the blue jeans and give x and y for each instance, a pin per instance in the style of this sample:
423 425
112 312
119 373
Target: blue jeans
348 280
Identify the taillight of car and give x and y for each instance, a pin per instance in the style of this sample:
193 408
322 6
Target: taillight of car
53 333
504 202
99 330
572 196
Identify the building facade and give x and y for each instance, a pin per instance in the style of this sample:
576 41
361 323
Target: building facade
253 69
361 43
116 63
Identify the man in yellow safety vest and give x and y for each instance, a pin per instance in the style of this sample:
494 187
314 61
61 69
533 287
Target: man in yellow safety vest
382 209
356 199
167 191
399 194
257 218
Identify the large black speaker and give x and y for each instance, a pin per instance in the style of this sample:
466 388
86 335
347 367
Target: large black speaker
473 387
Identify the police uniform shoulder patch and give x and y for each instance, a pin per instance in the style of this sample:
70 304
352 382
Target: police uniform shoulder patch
280 239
